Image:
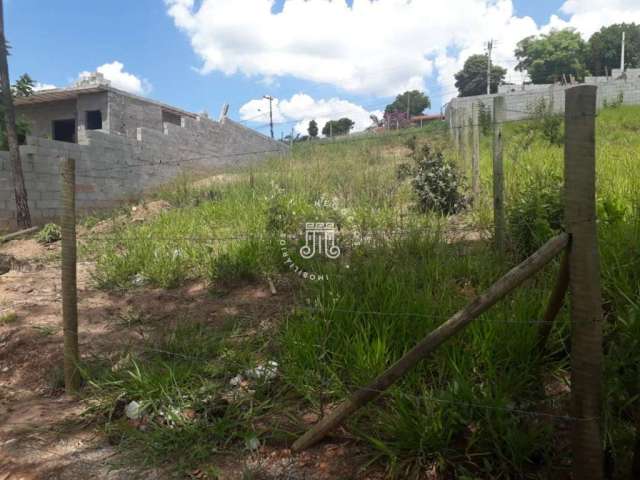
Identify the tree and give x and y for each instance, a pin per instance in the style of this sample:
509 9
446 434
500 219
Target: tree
23 216
547 57
22 88
335 128
395 120
472 79
415 100
313 129
605 48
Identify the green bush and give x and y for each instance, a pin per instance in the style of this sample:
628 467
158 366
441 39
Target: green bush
49 234
436 182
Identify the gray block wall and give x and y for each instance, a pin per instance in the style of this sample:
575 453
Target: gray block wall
112 169
42 119
520 104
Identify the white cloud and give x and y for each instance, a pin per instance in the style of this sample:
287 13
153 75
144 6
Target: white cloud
301 108
43 86
588 16
374 47
119 78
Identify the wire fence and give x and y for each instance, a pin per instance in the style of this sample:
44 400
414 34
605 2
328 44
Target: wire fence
294 306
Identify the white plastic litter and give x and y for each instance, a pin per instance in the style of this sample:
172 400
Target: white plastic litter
236 381
268 371
253 443
139 280
133 410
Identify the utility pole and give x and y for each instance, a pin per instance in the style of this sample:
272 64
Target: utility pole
270 98
23 216
489 52
409 107
622 53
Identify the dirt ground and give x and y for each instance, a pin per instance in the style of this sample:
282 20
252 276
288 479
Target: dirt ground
43 434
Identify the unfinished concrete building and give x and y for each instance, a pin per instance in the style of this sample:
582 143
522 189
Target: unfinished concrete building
123 145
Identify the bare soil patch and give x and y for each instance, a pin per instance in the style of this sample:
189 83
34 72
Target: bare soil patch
43 433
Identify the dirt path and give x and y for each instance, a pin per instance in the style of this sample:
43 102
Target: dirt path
43 434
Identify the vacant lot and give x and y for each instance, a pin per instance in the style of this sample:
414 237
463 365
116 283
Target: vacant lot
205 353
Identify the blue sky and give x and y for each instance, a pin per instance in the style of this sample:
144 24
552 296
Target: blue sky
56 40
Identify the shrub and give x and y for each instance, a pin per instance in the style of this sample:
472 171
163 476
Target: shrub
436 182
49 234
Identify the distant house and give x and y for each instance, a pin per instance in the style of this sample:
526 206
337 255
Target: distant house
399 120
123 145
420 120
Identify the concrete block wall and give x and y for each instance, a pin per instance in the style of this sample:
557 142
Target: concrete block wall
112 169
41 119
520 104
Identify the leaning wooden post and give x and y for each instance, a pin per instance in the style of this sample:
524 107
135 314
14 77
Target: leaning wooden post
509 282
475 155
498 175
584 282
69 287
556 301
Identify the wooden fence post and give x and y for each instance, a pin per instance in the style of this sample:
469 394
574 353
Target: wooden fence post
69 286
466 140
584 282
461 138
454 128
498 174
475 154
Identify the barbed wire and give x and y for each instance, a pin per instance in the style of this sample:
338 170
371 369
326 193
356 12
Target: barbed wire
311 308
322 142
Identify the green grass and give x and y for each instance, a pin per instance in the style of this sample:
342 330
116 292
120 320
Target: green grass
182 384
465 409
8 318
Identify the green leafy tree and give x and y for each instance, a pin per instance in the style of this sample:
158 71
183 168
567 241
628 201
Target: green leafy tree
547 57
313 129
605 48
472 79
337 127
22 88
415 100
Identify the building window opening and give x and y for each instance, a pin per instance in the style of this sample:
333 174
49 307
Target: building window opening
64 130
172 118
94 120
